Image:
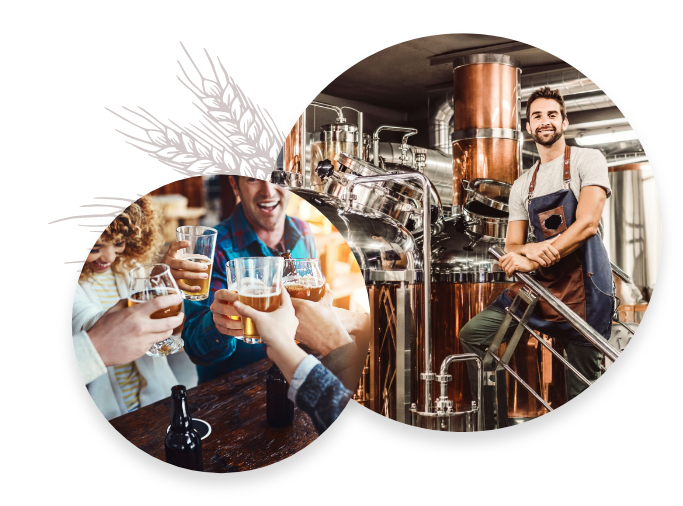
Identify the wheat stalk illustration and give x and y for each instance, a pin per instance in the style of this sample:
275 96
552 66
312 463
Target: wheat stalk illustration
234 136
98 217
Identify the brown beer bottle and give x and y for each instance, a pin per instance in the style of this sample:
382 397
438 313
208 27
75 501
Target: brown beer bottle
288 268
183 444
279 409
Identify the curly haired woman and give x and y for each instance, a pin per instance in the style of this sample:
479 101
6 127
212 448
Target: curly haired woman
133 238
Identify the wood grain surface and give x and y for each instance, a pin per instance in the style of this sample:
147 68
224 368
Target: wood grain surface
235 407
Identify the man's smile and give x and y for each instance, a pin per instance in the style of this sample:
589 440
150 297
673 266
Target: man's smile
268 207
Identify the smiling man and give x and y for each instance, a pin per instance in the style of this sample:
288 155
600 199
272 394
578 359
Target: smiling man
561 197
258 227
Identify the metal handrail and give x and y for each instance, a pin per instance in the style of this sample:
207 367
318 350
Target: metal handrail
572 318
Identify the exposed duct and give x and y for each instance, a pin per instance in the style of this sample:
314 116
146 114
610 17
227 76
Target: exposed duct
581 94
568 81
441 120
583 102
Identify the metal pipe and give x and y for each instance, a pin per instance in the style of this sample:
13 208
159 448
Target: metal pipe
522 382
440 116
572 318
375 139
428 375
568 81
305 178
552 350
338 110
359 115
620 273
443 371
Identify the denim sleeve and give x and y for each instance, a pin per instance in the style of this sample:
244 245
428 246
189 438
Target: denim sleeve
203 343
322 397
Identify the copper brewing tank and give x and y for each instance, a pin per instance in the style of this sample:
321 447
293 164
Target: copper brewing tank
486 121
293 155
486 144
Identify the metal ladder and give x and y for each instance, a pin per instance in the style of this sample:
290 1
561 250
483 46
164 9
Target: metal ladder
494 367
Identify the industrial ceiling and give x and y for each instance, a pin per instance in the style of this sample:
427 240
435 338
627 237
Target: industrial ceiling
399 78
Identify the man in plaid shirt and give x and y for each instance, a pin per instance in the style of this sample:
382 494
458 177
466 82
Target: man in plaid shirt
258 227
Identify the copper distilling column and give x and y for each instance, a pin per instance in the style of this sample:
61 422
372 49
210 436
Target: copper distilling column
487 122
486 144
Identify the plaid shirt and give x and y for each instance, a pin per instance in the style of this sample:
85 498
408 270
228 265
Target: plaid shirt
217 353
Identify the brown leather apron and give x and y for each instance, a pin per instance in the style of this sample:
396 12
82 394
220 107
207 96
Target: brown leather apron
565 279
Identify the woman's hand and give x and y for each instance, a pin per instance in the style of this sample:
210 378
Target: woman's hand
319 325
184 269
277 330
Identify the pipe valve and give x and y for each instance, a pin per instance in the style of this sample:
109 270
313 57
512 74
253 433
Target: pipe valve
324 169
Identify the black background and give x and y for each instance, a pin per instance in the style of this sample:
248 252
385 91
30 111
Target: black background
130 68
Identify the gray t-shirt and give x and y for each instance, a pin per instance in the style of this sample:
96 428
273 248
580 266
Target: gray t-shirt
588 167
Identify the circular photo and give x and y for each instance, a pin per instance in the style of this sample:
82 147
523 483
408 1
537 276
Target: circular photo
221 323
504 217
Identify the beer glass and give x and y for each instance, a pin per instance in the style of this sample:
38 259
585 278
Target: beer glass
231 277
201 250
303 279
258 285
148 282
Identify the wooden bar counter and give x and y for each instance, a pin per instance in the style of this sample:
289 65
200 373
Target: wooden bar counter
235 407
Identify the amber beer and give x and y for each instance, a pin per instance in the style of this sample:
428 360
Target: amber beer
265 302
203 284
301 291
153 293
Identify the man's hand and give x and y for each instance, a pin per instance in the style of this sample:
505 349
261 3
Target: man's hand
125 334
319 325
543 253
512 262
222 310
184 269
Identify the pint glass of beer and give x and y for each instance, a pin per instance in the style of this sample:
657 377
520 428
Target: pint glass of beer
148 282
258 285
231 277
202 247
303 279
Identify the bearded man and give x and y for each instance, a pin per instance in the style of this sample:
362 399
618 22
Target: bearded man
561 198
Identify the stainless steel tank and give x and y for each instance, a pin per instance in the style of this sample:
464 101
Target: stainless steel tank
332 139
632 226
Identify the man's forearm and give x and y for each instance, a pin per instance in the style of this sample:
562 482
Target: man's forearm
203 343
577 234
515 248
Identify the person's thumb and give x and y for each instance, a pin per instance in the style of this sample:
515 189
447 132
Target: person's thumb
286 299
246 311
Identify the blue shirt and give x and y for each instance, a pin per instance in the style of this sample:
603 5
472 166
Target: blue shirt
218 353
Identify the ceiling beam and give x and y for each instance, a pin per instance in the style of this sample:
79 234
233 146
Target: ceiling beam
506 47
542 69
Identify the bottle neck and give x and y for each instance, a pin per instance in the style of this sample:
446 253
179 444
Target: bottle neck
180 418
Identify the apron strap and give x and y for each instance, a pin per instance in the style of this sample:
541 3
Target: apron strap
532 185
566 172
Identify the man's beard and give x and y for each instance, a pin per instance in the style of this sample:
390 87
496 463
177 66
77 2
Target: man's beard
556 136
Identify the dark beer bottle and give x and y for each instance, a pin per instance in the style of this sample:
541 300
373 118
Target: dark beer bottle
288 267
279 409
183 444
